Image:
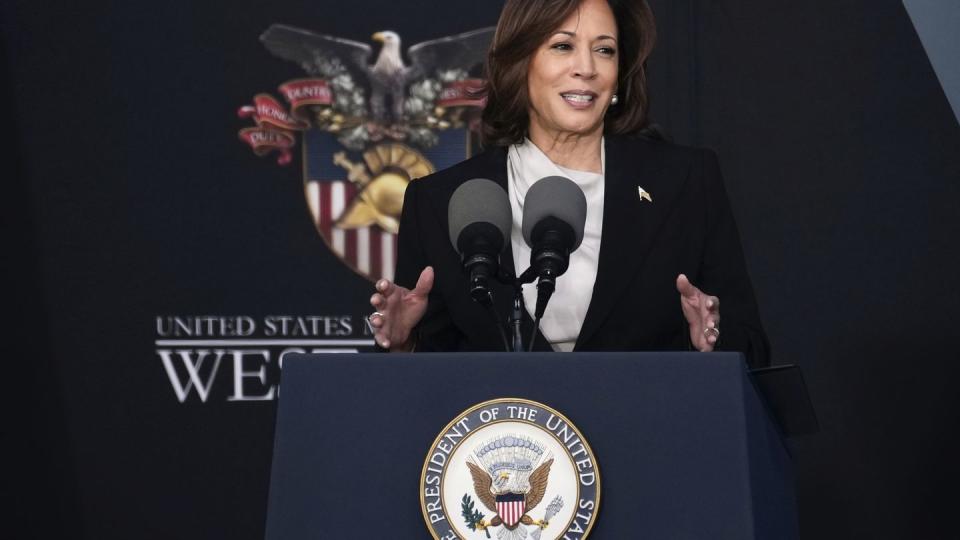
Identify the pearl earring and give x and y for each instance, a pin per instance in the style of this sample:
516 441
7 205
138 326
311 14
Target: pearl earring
614 100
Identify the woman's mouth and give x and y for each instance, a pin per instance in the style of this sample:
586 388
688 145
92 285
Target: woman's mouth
579 100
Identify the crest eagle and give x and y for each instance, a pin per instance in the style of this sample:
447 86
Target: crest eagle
388 75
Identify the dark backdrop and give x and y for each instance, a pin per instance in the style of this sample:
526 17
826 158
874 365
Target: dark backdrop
128 196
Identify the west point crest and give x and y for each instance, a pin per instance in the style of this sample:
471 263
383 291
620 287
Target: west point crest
368 125
510 469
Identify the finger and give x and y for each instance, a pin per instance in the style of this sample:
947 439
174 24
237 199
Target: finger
378 335
377 301
376 320
685 288
425 282
713 322
385 287
713 304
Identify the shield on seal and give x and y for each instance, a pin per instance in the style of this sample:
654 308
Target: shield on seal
355 198
510 508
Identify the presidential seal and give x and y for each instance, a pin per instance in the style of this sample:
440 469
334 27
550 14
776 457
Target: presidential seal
510 469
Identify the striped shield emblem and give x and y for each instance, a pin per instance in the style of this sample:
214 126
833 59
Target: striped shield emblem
370 251
355 196
510 508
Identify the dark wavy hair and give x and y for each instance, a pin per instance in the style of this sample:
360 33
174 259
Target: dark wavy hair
523 27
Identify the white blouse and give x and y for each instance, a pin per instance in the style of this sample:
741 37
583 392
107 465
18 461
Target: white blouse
562 321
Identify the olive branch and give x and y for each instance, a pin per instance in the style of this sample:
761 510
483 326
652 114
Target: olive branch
470 514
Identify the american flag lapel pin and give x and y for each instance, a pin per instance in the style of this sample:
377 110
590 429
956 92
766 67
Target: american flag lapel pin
644 195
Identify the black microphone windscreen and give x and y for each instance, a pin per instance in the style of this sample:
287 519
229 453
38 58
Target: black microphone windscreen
478 200
558 197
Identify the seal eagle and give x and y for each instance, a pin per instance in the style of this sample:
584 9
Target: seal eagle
483 486
388 75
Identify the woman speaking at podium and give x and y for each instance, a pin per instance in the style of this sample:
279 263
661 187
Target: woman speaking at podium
660 258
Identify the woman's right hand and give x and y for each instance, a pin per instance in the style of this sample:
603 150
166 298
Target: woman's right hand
398 310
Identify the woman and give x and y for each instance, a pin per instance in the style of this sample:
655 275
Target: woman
567 96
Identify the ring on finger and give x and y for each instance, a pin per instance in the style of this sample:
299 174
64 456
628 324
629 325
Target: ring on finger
712 331
369 322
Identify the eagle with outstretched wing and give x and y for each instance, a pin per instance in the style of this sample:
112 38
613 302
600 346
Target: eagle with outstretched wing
483 484
388 75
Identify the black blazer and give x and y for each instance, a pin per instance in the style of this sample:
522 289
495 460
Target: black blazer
687 228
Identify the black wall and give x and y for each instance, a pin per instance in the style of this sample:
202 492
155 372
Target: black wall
127 195
843 157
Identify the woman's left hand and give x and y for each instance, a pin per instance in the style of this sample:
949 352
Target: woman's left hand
702 312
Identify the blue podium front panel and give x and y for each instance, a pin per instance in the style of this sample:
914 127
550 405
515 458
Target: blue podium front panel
684 446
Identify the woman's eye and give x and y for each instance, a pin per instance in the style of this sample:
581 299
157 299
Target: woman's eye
562 46
607 51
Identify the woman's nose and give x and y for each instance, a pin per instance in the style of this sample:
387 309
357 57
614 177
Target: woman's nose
584 66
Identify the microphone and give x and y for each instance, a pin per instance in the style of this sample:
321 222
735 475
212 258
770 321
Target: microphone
554 215
479 220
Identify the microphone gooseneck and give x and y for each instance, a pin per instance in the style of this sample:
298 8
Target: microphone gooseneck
552 240
480 245
479 221
554 216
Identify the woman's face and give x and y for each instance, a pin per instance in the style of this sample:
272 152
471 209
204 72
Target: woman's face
573 75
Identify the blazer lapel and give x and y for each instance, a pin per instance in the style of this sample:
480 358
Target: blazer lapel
630 224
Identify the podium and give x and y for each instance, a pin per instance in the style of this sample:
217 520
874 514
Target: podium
686 447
